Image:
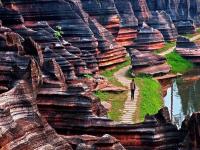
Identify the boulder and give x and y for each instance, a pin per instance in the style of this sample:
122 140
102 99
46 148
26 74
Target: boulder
149 39
105 12
128 24
162 22
188 49
148 63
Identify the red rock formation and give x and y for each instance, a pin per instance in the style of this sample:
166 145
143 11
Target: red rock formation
148 63
162 22
111 52
188 49
63 98
148 39
141 10
183 13
105 12
91 142
128 24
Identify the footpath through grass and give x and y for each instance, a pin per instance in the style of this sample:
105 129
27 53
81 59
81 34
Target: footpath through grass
150 96
178 63
117 100
109 74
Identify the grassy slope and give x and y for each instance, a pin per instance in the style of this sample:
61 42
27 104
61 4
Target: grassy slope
167 46
150 96
116 99
178 63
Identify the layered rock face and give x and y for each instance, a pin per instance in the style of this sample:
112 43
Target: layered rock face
74 25
128 25
180 12
188 49
22 74
42 77
148 63
22 127
149 39
162 22
111 52
105 12
68 106
141 10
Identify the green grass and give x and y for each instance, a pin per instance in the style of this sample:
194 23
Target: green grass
178 63
150 96
167 46
117 101
109 74
192 35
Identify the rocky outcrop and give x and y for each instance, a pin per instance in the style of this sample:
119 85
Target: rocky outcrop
188 49
148 63
185 27
111 52
128 24
75 27
105 13
149 39
22 127
106 142
141 10
192 127
46 82
180 12
162 22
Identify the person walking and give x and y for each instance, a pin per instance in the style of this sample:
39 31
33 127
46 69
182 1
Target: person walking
132 87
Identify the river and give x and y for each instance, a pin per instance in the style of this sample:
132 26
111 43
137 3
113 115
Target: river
182 95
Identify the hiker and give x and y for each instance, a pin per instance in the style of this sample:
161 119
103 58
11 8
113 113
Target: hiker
132 87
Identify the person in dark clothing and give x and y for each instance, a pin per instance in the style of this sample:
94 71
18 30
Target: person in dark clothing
132 87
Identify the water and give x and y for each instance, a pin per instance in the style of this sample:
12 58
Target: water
182 95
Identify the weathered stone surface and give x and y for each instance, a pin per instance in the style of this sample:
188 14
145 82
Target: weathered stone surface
110 52
162 22
188 49
180 12
22 126
10 17
87 142
141 10
105 12
185 27
128 23
193 132
65 97
148 39
106 41
148 63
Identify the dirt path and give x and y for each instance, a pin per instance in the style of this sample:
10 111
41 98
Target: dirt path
130 105
167 52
